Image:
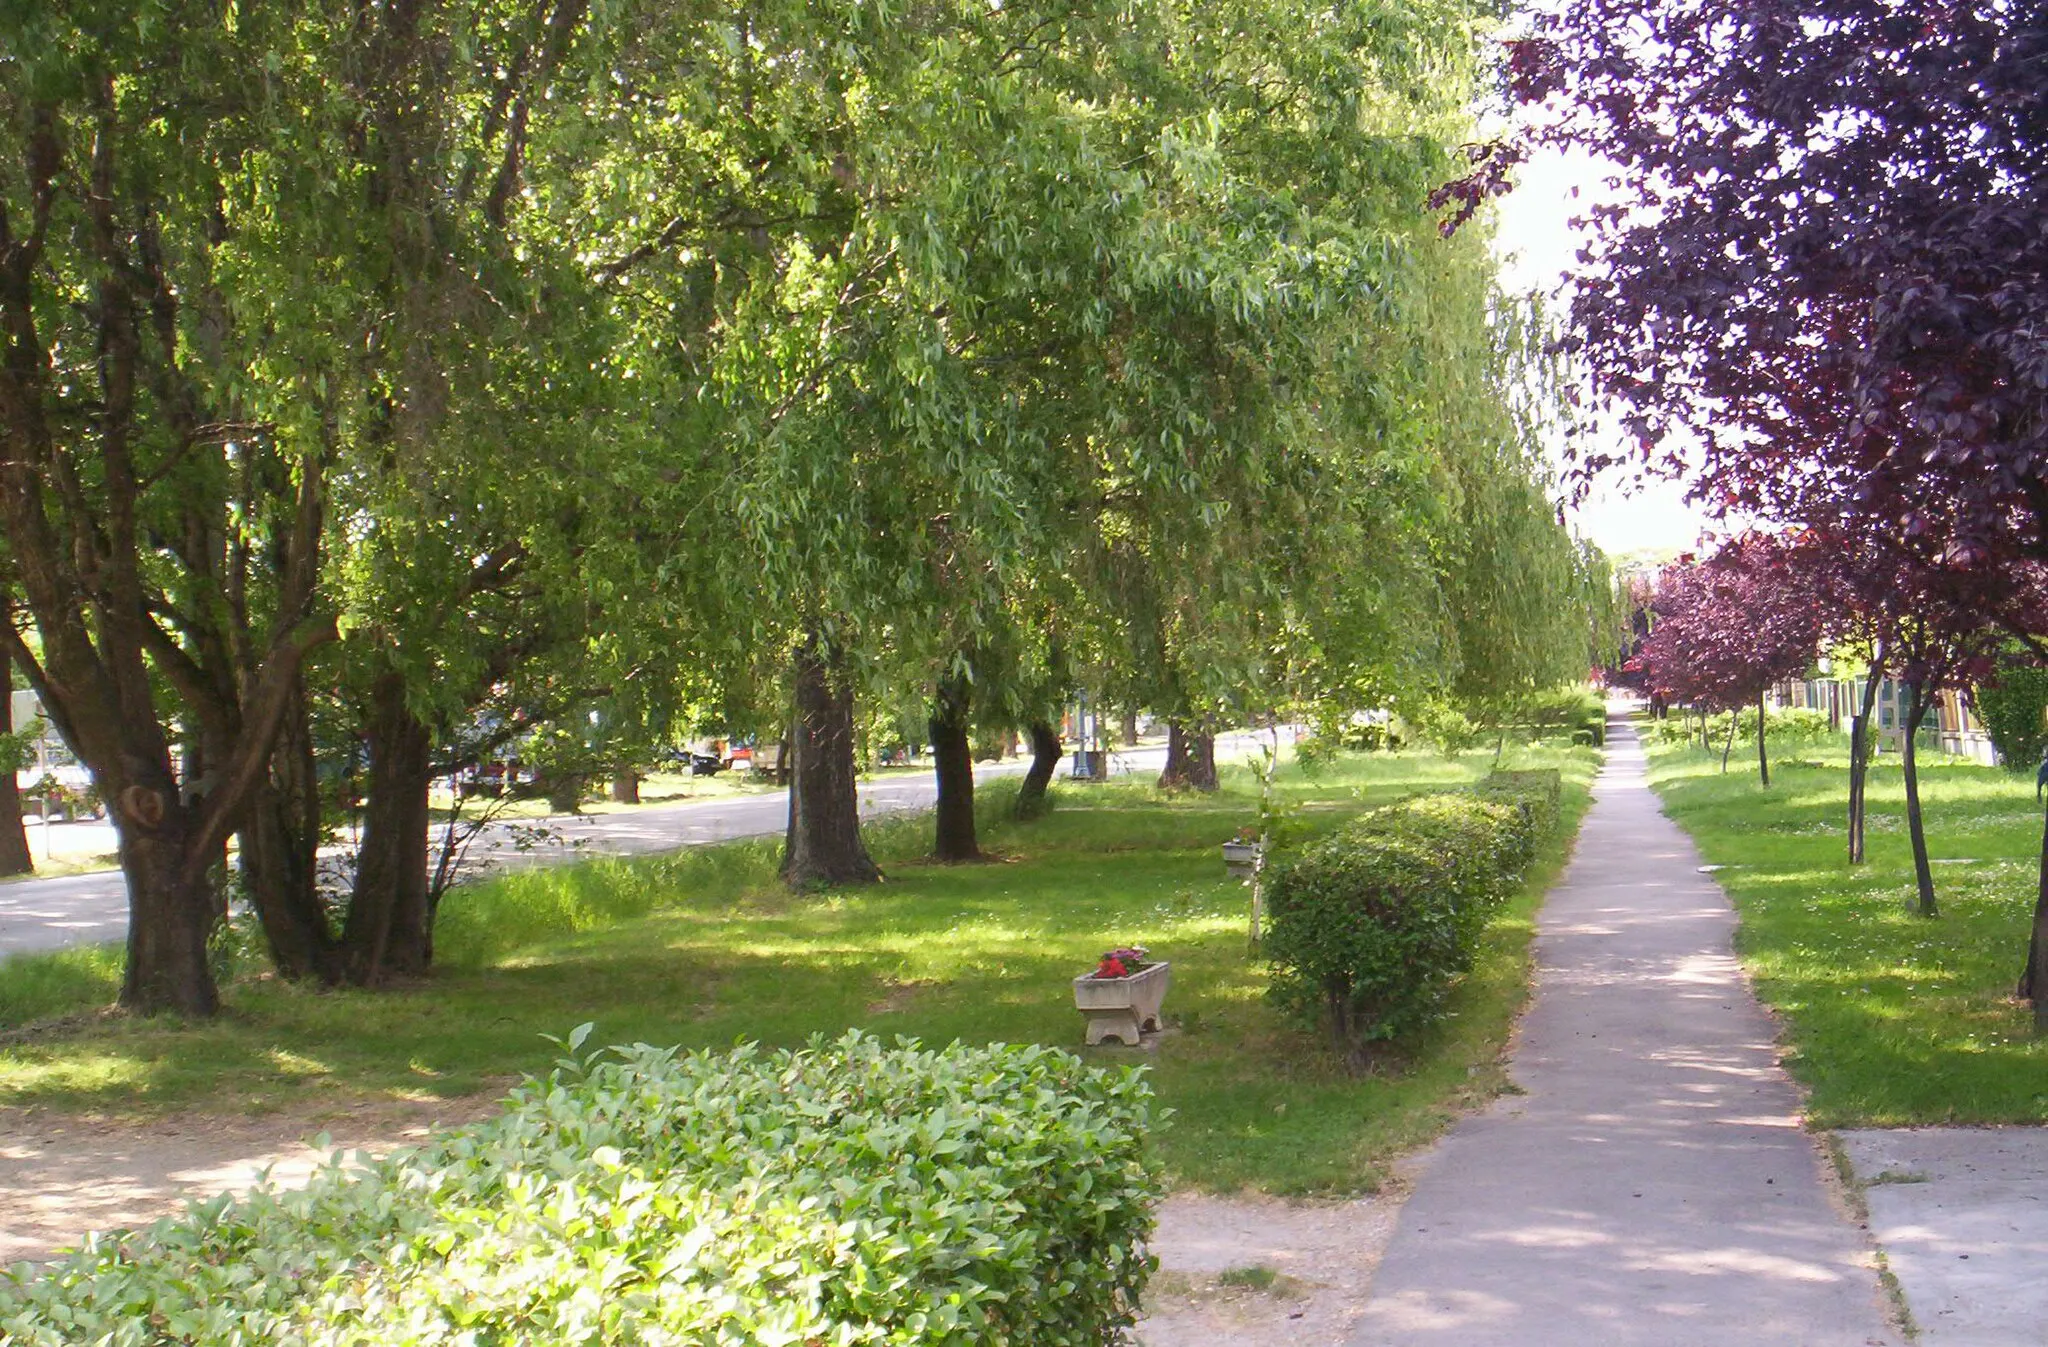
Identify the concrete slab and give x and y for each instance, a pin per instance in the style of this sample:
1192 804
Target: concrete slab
1962 1216
1653 1185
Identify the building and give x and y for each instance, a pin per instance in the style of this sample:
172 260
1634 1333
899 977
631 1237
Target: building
1952 727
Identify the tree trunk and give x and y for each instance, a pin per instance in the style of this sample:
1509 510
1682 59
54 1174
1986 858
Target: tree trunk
1190 758
1763 761
171 912
15 858
1923 873
823 844
1130 728
388 932
1729 747
2034 978
280 857
564 792
1045 758
626 787
1859 760
953 764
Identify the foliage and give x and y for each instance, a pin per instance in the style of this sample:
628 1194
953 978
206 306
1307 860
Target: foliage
1787 726
2013 704
846 1193
1537 795
1729 627
1846 327
1372 926
1316 749
1577 710
1442 724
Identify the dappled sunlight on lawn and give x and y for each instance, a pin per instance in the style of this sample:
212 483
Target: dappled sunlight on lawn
1890 1018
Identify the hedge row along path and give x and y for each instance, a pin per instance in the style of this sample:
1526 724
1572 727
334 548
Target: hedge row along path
1653 1185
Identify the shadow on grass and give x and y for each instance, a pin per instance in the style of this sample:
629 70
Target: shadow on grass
703 949
1890 1019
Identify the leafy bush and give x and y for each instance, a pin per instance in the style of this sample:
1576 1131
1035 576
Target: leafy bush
1537 796
849 1193
1789 727
1444 726
1676 728
2014 709
1371 926
1793 727
1577 713
1315 751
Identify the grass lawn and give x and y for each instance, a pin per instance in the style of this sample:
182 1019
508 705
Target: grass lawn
704 948
1890 1019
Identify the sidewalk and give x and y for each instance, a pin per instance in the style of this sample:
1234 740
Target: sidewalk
1653 1185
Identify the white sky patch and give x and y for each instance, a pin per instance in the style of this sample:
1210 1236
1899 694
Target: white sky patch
1539 246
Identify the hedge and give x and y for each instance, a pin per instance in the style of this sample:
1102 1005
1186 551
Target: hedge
847 1193
1371 926
2014 708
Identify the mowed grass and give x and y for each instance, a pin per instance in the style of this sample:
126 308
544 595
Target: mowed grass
703 947
1891 1019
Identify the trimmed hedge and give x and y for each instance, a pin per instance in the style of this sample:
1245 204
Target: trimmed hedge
848 1193
2014 708
1371 926
1537 794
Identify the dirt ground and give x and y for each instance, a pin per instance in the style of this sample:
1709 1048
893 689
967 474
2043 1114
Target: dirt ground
1249 1271
1259 1272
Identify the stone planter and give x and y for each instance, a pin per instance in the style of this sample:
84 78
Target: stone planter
1123 1008
1242 858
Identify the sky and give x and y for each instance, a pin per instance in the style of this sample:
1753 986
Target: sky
1538 247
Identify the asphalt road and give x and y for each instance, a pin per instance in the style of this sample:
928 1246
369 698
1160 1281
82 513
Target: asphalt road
44 914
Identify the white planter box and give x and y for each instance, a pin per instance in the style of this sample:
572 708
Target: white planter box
1122 1008
1241 858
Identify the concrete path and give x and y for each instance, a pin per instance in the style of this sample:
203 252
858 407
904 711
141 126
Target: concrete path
1653 1185
1962 1216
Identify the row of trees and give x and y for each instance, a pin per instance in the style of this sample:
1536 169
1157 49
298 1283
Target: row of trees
1823 297
391 382
1765 607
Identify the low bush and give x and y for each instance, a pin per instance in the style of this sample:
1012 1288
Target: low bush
1316 750
1372 925
2013 705
1789 727
1577 713
848 1193
1537 796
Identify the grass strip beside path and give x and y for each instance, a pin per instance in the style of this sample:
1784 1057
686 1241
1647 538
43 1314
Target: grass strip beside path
1889 1020
703 947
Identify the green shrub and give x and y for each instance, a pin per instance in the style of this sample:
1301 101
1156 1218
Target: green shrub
2014 709
1793 727
1676 728
1372 925
1442 724
849 1193
1576 713
1537 796
1316 751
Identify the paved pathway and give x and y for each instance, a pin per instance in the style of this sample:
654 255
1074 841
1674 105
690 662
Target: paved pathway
1962 1214
1653 1185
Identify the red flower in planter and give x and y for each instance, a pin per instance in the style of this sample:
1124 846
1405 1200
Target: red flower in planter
1122 962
